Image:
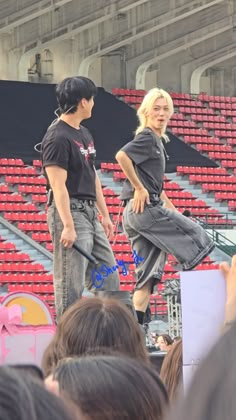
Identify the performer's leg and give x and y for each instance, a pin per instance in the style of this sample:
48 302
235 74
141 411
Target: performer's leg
148 274
186 240
173 233
69 266
150 268
104 255
141 300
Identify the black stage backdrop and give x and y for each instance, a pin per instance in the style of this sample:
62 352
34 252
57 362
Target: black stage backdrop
27 109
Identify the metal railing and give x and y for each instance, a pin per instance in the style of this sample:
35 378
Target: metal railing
221 241
229 219
26 238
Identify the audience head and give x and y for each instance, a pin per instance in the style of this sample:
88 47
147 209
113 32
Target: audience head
164 342
171 370
112 387
25 398
211 395
92 323
154 338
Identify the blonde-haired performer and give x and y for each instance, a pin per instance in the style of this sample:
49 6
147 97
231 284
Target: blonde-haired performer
153 225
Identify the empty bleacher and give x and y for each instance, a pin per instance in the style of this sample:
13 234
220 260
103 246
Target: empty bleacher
204 122
19 198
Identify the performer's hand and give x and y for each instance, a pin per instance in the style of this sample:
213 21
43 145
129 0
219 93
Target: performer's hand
140 198
108 226
230 279
68 236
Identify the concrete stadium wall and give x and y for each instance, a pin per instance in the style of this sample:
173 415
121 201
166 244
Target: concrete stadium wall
186 45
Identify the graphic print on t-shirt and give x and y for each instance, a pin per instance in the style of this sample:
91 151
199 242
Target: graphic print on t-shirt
90 152
73 150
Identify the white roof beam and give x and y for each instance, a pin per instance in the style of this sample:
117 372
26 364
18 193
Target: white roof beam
45 6
197 73
153 25
140 31
185 42
30 12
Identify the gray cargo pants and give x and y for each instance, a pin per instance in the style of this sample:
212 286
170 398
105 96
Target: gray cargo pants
71 271
159 231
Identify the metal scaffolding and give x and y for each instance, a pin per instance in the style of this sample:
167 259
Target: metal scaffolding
174 316
172 295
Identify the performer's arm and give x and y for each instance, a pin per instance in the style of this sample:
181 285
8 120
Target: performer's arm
167 201
57 178
141 195
102 208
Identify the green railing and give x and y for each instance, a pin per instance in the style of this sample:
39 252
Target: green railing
228 221
223 243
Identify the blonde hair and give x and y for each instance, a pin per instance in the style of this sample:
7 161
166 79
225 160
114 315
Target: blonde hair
147 104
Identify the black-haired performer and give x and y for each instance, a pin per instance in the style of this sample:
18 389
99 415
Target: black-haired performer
150 220
68 156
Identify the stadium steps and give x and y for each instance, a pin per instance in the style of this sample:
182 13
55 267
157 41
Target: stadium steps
25 244
106 179
196 190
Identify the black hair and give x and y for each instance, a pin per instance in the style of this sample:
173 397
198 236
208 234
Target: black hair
48 406
71 90
111 323
25 398
113 387
167 339
26 369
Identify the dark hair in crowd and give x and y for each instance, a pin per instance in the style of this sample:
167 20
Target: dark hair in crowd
167 339
111 387
71 90
92 323
211 395
24 398
171 370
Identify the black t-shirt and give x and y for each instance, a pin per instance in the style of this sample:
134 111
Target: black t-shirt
72 150
146 151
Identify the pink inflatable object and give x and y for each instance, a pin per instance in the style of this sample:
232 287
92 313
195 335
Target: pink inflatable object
21 342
